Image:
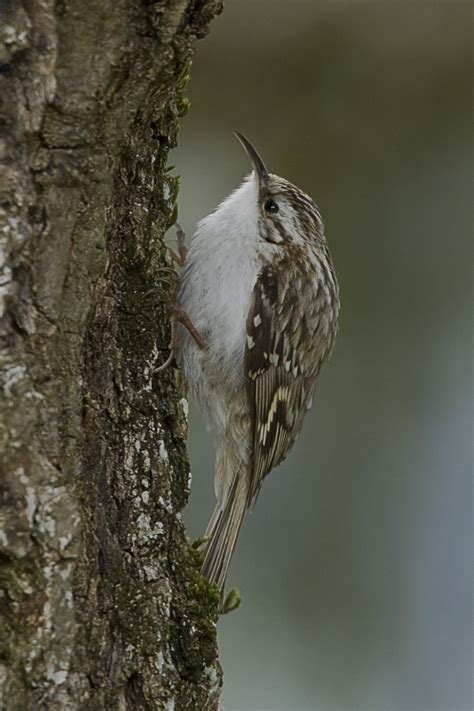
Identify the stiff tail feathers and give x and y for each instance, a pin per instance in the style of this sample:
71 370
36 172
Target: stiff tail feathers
223 530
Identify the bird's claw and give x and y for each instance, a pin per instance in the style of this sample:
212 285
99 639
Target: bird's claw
179 257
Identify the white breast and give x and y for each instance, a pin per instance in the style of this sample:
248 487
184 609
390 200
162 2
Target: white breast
216 288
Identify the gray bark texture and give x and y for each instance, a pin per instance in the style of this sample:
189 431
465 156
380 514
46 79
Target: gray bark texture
102 603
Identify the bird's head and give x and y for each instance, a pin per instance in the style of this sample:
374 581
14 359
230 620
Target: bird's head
285 214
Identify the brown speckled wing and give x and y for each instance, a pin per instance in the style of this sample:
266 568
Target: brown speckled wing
279 371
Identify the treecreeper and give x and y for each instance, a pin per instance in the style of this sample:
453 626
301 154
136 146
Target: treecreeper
255 318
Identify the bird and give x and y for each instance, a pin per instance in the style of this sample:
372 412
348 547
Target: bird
255 318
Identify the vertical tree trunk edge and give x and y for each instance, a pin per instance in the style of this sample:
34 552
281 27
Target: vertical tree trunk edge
102 604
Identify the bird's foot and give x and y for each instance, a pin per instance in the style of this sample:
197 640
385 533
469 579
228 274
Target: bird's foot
178 315
179 257
185 321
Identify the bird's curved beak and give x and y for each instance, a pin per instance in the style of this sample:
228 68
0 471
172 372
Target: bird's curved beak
257 162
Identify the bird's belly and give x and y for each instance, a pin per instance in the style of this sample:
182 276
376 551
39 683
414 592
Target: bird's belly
216 297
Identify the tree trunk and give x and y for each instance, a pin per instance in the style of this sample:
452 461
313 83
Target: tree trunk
103 606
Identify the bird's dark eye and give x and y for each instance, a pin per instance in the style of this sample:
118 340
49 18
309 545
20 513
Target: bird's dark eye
271 206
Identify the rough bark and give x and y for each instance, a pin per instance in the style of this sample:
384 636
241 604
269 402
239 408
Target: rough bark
102 603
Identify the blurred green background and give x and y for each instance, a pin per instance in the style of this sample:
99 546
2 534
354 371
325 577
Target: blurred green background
355 567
